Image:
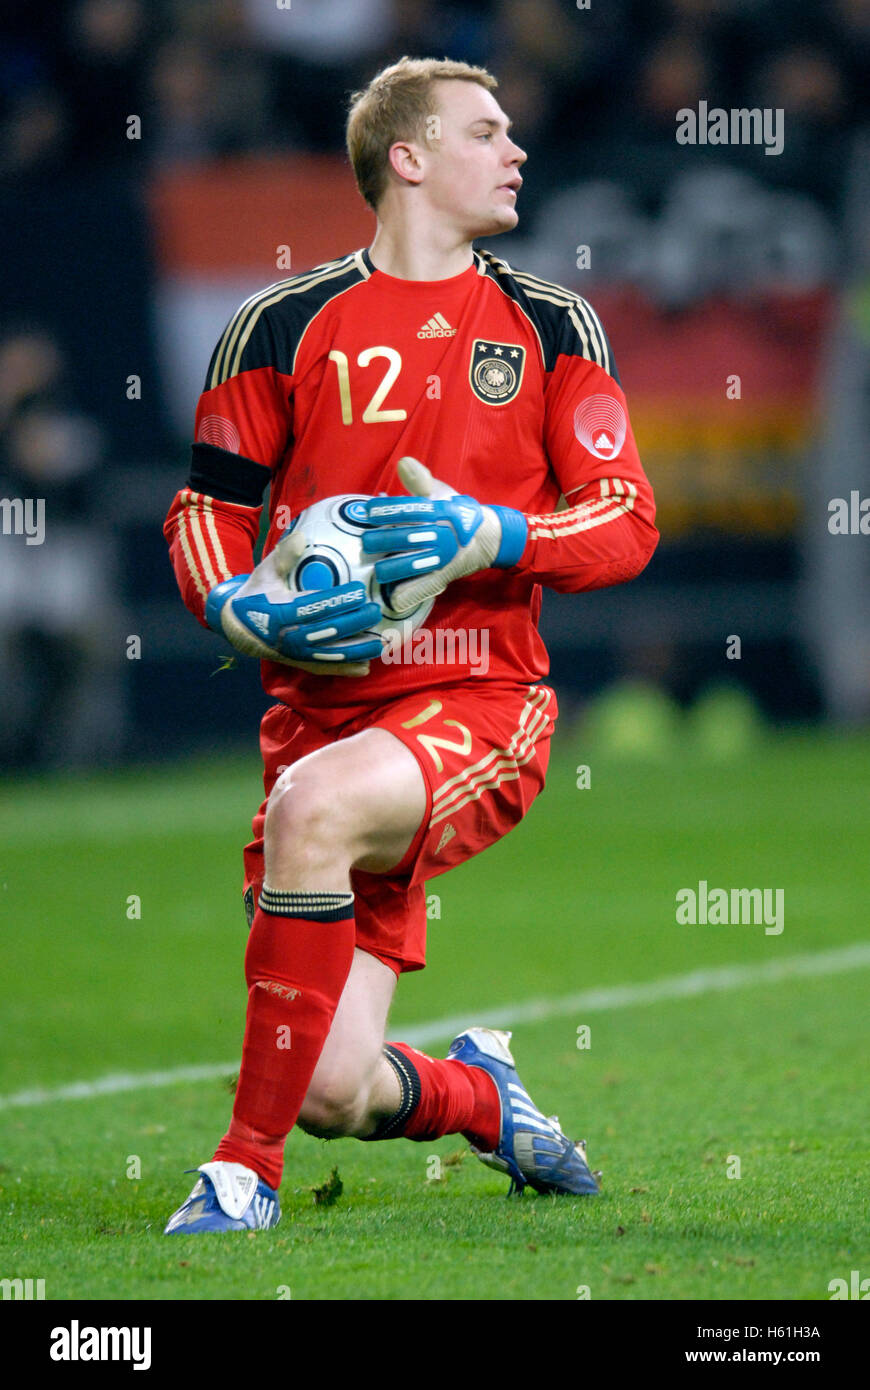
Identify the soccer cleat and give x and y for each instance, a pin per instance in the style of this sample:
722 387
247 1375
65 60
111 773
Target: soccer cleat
227 1197
532 1149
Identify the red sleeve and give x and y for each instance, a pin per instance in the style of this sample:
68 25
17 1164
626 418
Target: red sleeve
243 432
209 541
607 535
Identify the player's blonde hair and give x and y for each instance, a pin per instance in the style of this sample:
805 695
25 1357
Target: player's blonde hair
396 106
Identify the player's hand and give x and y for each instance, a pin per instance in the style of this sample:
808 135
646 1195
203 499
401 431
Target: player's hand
318 632
441 535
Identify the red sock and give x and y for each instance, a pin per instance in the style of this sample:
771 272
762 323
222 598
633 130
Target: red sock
442 1097
298 958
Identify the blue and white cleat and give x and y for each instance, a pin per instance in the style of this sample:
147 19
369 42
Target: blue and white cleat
532 1149
227 1197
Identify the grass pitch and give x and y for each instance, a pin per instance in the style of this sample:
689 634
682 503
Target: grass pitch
123 937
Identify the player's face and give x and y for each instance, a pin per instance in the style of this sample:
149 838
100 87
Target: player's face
472 174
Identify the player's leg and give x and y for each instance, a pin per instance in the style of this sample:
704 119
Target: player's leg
361 799
482 769
359 1089
360 1085
357 801
484 754
353 1087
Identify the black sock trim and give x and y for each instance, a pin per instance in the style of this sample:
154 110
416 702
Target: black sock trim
409 1082
317 907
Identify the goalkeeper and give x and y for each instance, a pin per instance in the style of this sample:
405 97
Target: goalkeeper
466 398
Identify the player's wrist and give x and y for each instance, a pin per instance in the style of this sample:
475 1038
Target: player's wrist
514 533
218 597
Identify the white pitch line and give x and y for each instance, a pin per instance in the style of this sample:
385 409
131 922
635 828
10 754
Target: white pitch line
690 986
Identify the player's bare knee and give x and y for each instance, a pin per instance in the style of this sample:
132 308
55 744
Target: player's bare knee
307 812
333 1107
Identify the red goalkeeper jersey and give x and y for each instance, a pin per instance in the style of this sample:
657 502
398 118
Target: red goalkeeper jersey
503 384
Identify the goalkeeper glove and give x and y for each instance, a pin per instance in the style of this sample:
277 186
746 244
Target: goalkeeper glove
442 536
257 615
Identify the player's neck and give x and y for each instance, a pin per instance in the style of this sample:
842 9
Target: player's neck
418 258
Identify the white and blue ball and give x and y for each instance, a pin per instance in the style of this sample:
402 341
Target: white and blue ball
333 555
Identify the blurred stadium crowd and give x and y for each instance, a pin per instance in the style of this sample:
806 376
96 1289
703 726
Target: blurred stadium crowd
214 76
593 95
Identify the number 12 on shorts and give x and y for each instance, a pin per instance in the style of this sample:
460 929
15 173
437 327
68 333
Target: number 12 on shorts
432 742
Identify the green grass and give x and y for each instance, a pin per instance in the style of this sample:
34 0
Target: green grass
581 896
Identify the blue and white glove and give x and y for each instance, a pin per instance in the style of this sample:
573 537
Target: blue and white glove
256 614
441 534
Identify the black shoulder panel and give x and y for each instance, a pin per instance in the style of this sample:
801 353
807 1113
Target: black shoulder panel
267 329
565 322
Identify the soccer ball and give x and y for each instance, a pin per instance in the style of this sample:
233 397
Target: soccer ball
334 555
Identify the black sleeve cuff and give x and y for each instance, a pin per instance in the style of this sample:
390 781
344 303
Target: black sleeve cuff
228 477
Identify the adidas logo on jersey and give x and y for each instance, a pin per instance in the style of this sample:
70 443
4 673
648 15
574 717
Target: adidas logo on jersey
604 442
446 836
437 327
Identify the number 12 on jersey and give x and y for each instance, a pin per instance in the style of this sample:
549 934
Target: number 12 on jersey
372 414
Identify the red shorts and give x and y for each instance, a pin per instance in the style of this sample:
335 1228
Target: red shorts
483 751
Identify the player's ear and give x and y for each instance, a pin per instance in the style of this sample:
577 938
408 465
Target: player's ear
405 160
